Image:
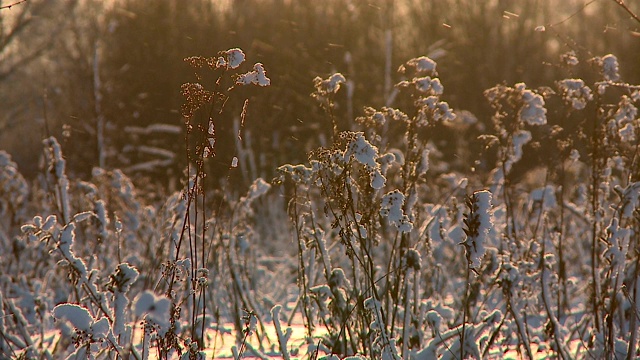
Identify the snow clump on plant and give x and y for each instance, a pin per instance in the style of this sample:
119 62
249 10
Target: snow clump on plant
569 58
362 150
155 308
230 59
610 67
478 223
624 120
533 111
422 65
391 208
329 85
257 77
575 93
80 318
366 154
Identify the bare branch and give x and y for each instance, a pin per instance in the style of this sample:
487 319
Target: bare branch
11 5
627 9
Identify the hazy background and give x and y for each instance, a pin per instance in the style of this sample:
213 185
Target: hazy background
66 64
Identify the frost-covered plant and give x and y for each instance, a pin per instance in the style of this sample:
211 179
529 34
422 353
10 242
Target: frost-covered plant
517 110
478 223
388 260
575 93
59 262
361 193
97 243
325 93
13 194
89 331
383 346
521 247
212 241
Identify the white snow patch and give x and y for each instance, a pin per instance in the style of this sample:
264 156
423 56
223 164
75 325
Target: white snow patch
364 152
391 208
533 111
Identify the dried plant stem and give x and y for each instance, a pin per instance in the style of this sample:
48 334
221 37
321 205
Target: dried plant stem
465 309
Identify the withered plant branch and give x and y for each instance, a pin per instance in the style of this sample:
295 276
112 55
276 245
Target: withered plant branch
627 9
12 4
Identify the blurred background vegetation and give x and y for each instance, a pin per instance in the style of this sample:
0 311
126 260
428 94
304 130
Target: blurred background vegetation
97 74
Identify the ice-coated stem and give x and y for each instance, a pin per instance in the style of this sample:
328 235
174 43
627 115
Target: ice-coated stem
282 338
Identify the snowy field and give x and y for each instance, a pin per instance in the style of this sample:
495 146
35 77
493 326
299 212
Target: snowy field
376 247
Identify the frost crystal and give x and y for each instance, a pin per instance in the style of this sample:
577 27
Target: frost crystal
57 166
625 120
520 138
378 118
338 279
533 111
423 64
11 183
124 277
49 223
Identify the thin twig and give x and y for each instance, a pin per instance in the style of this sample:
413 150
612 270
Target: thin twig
626 8
12 5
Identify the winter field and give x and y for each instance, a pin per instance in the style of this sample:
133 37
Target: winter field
377 246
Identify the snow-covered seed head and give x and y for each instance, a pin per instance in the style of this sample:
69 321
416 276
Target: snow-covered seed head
362 150
391 208
575 93
569 58
421 65
331 85
412 259
338 279
257 77
235 57
610 68
533 111
477 225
